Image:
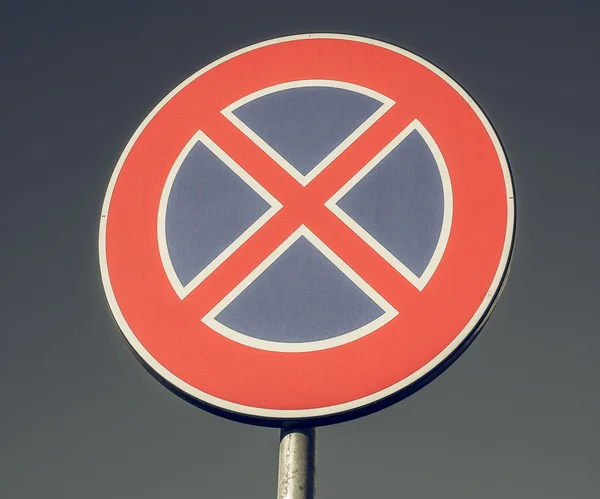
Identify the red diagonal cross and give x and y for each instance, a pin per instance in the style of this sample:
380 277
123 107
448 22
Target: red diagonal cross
305 205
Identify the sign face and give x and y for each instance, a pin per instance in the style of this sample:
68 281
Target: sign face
308 228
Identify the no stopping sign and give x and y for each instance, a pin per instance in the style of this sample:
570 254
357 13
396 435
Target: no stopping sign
306 228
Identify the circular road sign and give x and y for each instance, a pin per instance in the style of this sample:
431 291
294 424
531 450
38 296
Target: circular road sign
309 228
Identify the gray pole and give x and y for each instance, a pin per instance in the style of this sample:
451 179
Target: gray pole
297 463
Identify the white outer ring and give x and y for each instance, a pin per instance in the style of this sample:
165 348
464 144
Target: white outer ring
346 406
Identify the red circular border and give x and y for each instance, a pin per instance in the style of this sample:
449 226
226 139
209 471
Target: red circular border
170 329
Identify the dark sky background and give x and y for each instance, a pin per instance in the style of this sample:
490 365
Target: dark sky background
516 416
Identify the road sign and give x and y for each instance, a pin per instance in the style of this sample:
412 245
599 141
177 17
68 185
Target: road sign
308 228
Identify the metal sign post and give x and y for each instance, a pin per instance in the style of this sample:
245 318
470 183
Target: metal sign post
297 463
307 230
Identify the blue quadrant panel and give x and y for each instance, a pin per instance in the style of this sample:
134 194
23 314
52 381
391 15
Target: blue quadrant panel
301 297
208 208
305 124
400 203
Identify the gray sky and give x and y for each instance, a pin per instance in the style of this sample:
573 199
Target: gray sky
516 416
